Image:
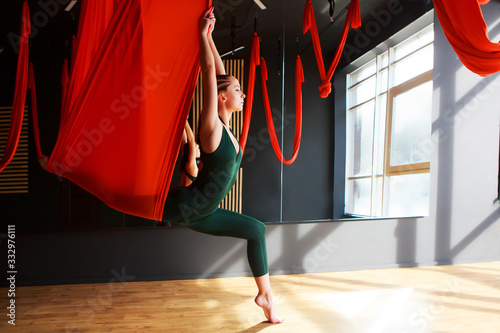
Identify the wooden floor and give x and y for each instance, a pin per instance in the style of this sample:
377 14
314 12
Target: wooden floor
455 299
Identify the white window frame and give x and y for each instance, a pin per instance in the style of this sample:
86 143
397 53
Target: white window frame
391 92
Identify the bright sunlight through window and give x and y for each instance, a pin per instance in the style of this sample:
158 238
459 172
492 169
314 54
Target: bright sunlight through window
389 106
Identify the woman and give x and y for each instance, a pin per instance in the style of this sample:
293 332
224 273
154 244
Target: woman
196 206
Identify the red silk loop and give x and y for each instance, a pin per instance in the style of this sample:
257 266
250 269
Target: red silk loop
299 79
256 60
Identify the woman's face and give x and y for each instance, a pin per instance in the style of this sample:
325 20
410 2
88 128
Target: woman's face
234 96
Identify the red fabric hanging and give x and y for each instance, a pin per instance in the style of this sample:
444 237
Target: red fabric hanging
353 20
94 19
465 29
129 95
299 79
34 111
256 60
247 113
16 120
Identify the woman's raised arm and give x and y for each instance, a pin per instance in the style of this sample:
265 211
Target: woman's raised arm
219 65
210 126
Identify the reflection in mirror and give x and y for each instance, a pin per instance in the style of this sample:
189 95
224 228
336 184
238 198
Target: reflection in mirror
267 189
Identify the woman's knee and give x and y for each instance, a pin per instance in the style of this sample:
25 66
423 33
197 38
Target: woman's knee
262 228
259 230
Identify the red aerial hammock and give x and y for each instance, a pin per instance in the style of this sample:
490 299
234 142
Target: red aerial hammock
464 26
299 79
16 120
131 86
353 20
256 60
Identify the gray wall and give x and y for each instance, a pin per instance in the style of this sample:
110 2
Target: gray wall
463 226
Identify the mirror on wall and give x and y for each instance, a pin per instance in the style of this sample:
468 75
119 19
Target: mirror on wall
266 189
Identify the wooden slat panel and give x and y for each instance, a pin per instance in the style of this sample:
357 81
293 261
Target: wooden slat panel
234 67
14 178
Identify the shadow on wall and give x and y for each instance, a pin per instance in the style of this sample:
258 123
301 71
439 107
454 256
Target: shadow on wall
454 111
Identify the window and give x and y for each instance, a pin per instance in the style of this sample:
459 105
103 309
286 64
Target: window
389 105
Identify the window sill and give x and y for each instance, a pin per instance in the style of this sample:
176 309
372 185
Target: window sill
348 219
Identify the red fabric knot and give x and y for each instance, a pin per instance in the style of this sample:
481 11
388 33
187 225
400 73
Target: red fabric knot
325 89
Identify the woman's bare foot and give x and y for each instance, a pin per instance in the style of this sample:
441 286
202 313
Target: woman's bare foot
268 307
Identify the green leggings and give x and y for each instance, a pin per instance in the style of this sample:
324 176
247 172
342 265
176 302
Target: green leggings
226 223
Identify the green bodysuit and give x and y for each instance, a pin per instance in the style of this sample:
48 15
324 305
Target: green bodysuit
196 206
